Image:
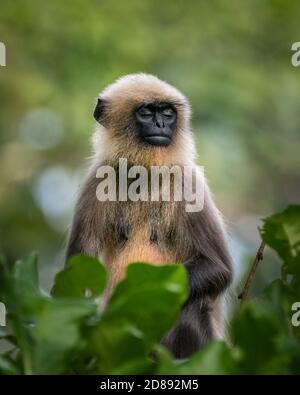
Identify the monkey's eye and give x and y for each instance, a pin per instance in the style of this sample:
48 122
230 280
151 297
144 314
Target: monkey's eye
168 112
145 112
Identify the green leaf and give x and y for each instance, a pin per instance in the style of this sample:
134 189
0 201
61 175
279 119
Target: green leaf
165 363
282 233
26 276
117 343
215 358
29 296
141 365
256 334
143 307
21 284
57 333
280 298
150 297
24 301
7 366
84 276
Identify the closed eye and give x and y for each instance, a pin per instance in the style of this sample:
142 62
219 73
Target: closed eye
144 111
168 112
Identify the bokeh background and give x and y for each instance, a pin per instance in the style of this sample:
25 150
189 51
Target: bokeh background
233 61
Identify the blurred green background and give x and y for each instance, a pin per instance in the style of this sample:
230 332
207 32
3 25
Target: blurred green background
233 61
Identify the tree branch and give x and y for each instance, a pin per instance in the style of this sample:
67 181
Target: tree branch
259 257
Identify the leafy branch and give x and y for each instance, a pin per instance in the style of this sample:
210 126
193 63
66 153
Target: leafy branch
67 332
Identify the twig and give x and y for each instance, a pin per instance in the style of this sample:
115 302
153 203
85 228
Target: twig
259 257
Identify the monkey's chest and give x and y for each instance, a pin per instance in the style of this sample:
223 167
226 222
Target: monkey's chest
136 232
143 224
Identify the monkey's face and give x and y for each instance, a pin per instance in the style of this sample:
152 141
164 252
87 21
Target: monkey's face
156 123
145 120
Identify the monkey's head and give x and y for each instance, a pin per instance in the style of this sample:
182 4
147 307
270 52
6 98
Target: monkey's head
143 119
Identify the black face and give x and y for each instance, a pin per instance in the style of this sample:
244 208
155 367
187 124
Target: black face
156 123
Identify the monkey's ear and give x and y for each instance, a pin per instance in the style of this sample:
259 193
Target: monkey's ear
99 111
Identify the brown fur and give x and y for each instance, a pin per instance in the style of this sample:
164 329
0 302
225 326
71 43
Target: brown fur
156 232
110 142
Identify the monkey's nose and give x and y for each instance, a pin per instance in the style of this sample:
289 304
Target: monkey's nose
160 124
159 121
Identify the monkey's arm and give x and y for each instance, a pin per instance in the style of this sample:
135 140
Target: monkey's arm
206 277
209 264
194 328
209 274
85 227
76 243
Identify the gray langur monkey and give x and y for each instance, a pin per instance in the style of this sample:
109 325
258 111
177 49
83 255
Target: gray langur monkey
147 121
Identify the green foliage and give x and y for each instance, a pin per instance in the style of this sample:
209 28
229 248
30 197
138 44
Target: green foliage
83 276
231 58
282 233
68 332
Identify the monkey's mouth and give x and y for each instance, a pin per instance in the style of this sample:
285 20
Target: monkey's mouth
162 141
